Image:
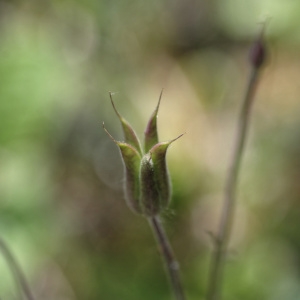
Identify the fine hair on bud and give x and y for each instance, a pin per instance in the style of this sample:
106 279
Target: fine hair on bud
149 190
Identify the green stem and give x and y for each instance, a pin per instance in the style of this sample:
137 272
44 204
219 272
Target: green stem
227 217
172 266
16 270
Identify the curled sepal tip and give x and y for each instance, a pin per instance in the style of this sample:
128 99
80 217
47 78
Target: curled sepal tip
151 135
129 134
132 161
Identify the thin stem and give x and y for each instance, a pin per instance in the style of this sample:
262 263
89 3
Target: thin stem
172 266
225 226
16 269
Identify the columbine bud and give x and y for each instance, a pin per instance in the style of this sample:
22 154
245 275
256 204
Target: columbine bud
147 188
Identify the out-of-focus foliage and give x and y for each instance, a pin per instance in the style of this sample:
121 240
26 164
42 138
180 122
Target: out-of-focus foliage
62 210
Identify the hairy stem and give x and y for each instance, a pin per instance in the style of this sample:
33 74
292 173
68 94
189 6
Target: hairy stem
225 226
16 270
172 266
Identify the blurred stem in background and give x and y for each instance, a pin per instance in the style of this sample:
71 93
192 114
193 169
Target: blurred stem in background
16 270
257 58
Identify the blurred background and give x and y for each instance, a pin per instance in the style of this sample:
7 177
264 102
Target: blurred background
62 210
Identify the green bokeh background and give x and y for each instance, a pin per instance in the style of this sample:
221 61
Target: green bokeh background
62 211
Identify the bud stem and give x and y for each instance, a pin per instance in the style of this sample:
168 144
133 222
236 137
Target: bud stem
167 254
227 214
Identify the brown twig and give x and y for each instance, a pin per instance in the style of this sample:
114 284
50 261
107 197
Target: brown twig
257 57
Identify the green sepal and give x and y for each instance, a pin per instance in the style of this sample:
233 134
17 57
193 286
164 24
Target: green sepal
160 171
132 161
129 134
151 135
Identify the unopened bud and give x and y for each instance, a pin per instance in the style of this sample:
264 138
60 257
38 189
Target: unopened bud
258 51
147 181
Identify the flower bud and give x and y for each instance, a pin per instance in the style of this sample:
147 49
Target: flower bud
258 51
147 182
